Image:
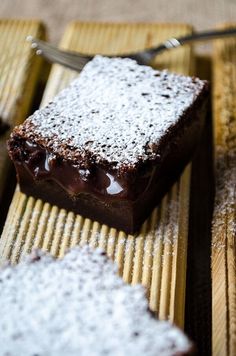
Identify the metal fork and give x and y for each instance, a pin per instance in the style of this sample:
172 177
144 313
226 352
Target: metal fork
77 61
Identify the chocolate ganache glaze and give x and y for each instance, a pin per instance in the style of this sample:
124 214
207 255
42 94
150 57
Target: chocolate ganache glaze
43 165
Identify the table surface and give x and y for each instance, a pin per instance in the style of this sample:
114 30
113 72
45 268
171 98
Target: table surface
57 13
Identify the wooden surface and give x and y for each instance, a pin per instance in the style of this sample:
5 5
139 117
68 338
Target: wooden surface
157 256
19 70
224 219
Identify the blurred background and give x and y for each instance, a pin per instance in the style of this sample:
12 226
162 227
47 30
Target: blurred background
56 14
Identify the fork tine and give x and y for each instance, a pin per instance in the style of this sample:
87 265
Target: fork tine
72 60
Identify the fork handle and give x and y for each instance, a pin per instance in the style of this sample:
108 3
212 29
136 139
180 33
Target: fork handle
194 37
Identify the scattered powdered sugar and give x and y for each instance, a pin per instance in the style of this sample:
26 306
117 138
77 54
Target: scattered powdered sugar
116 110
224 218
79 306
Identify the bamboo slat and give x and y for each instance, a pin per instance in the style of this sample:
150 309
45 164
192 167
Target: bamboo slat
156 257
19 71
224 219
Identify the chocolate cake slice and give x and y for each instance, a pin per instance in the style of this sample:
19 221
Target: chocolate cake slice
110 145
79 306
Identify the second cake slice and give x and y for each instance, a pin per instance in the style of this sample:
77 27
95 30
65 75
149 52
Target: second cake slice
110 145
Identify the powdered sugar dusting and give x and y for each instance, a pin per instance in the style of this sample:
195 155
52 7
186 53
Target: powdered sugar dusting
224 219
116 110
79 306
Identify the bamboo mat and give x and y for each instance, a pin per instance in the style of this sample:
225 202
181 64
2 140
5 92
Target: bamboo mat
19 71
157 256
224 219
